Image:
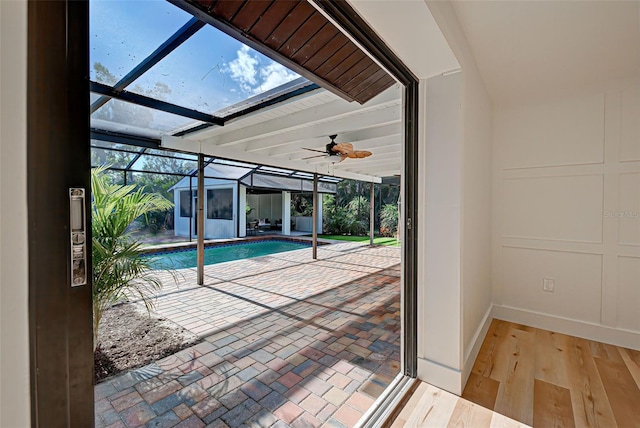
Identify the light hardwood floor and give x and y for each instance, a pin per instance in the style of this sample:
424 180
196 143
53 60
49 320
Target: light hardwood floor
539 378
429 406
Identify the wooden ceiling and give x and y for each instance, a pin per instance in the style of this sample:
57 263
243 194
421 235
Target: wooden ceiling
295 34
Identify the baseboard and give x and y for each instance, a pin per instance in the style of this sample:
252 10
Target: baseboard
450 379
585 330
440 376
478 339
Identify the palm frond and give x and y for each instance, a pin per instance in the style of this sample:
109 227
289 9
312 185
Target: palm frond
119 270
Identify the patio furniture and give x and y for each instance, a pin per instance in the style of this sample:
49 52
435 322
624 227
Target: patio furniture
252 228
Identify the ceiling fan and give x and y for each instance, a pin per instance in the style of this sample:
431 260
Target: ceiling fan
344 150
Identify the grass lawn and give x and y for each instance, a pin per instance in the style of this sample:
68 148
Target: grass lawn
378 240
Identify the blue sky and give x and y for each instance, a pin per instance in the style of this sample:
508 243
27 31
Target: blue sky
208 72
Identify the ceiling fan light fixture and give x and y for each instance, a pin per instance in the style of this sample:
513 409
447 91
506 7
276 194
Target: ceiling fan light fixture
344 150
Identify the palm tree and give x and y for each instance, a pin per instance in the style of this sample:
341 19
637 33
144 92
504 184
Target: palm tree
118 269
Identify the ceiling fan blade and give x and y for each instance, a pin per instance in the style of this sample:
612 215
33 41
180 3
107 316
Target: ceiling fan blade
313 150
359 154
311 157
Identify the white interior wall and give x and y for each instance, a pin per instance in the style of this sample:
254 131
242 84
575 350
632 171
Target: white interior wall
455 289
567 207
476 215
14 325
439 240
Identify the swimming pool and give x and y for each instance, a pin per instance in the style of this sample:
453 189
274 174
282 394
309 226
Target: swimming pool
223 253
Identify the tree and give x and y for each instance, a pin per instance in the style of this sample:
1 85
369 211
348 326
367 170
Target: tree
124 112
348 210
359 208
302 204
119 270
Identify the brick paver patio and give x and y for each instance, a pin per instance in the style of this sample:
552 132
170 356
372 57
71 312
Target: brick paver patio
288 342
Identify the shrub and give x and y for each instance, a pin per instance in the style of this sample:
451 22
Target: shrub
118 269
389 220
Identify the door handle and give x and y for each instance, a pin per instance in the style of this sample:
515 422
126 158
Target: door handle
77 227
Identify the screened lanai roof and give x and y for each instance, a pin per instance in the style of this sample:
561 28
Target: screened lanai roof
143 160
160 76
157 70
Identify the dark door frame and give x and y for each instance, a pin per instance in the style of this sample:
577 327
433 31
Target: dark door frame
60 316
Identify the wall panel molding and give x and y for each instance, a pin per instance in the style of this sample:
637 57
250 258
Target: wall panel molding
586 217
566 208
548 245
630 125
562 132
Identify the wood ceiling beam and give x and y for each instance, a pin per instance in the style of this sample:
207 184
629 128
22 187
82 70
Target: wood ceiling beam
303 118
327 127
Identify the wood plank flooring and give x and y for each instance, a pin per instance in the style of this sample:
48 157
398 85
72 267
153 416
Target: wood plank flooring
429 406
528 376
548 379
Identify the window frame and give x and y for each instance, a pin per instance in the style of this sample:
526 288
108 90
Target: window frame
210 200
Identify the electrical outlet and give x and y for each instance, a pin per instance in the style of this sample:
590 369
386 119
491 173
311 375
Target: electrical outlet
549 285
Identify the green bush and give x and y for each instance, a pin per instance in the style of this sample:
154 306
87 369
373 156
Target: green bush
389 220
359 209
344 220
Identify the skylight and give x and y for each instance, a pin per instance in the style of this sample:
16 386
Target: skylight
204 70
123 33
211 71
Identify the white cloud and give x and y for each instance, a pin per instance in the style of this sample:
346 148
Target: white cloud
252 77
243 69
274 75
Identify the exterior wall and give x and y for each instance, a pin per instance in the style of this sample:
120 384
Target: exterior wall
219 228
242 209
181 225
14 324
286 213
214 228
567 207
305 224
320 219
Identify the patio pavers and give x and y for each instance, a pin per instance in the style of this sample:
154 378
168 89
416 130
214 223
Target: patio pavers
288 341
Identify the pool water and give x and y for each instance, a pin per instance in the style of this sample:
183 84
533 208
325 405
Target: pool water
222 253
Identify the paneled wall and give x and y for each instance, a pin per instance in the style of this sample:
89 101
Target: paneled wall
566 206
